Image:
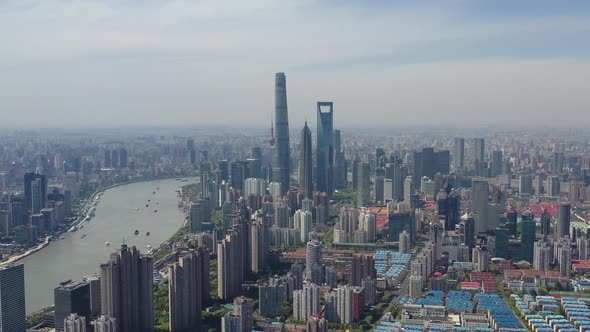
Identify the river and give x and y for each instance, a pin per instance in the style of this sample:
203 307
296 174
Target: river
115 221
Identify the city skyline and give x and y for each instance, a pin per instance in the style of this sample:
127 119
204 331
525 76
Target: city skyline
428 168
504 60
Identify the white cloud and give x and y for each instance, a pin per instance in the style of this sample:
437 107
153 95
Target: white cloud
179 62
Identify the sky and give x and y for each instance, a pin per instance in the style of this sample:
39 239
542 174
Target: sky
117 63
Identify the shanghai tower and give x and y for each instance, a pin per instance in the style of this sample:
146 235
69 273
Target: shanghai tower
281 158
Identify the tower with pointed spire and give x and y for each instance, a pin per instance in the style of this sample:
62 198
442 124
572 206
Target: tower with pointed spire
281 155
305 163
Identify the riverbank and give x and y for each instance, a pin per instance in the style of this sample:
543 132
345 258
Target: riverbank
85 209
16 258
119 214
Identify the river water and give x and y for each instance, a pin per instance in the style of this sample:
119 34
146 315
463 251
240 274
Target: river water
115 221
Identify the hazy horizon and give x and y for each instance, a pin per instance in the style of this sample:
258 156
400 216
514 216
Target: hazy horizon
188 64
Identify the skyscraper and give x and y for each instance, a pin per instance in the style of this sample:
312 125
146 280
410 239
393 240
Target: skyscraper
313 255
479 204
281 157
541 256
562 228
305 163
339 179
325 147
200 215
553 186
478 151
12 298
40 191
458 153
528 236
394 182
243 308
232 259
364 185
306 302
496 163
271 298
525 184
363 265
126 284
186 278
302 220
71 298
344 304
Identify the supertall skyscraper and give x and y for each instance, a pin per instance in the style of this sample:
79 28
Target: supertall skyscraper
325 147
305 163
12 298
126 285
281 158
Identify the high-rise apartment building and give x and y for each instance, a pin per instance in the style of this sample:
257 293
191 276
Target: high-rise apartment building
306 302
188 278
244 308
542 256
363 265
233 258
271 298
200 215
104 324
317 324
74 323
345 304
126 284
313 255
302 220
